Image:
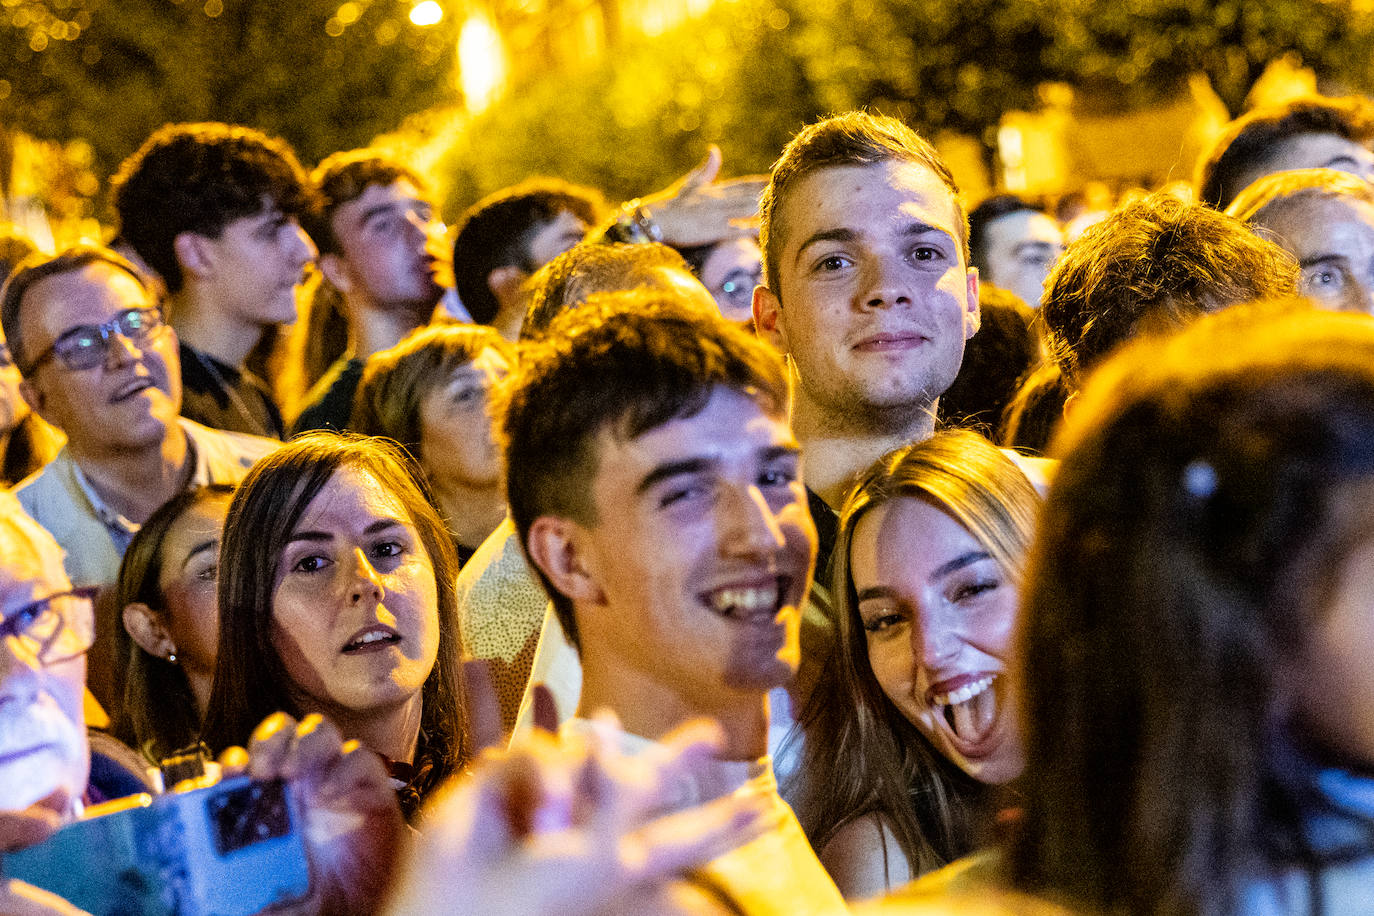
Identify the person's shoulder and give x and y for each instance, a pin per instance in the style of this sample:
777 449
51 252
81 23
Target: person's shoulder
966 887
38 491
224 443
864 858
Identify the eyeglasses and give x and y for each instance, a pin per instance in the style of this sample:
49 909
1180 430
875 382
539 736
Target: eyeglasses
87 346
738 287
56 628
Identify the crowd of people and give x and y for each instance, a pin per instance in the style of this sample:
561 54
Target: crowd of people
785 544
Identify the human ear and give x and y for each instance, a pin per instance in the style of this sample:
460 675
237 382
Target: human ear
193 254
555 547
334 270
504 282
145 627
33 396
973 317
767 310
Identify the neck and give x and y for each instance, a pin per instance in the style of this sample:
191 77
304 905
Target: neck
212 332
838 448
200 682
510 317
393 732
372 329
651 709
135 482
471 513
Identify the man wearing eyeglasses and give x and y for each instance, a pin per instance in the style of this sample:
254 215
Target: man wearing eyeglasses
100 364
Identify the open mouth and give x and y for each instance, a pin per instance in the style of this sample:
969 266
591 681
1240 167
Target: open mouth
969 706
370 639
756 603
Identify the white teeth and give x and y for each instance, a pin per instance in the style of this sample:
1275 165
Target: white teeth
745 602
963 694
374 636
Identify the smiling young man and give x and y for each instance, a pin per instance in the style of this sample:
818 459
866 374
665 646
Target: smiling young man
668 522
214 210
100 365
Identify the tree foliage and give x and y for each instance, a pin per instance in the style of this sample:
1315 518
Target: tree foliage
324 76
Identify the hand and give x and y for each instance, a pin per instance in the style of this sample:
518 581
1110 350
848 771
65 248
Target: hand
353 827
567 828
28 827
20 899
698 210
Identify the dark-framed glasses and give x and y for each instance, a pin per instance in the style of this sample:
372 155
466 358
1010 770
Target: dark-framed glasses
56 628
87 346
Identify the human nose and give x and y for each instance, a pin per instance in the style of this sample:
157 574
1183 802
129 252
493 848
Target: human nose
120 349
751 525
302 246
935 638
367 581
885 284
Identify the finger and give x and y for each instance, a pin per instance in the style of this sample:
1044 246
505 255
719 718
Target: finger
705 173
28 827
233 761
268 748
545 709
536 780
313 750
686 839
484 710
20 899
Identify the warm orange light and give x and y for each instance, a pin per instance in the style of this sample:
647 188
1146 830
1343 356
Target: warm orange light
481 63
426 13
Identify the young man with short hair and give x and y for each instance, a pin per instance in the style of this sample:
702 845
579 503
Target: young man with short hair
380 247
667 520
214 210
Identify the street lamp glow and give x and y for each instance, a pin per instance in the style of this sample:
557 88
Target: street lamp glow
427 13
481 63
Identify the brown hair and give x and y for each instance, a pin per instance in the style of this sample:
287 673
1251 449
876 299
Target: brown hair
628 362
853 138
251 681
860 755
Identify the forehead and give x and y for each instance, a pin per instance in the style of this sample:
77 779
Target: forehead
908 534
93 294
732 427
876 200
1023 226
1313 220
352 499
1315 151
400 193
29 569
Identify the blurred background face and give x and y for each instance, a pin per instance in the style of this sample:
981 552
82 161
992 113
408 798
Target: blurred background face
1021 249
456 441
730 273
1332 239
190 565
1336 680
13 408
938 613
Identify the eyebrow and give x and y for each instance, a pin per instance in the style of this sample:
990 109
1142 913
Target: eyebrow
1032 246
200 548
1322 259
372 213
323 536
672 469
958 563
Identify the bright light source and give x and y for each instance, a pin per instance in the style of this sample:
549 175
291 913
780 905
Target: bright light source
481 63
426 13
